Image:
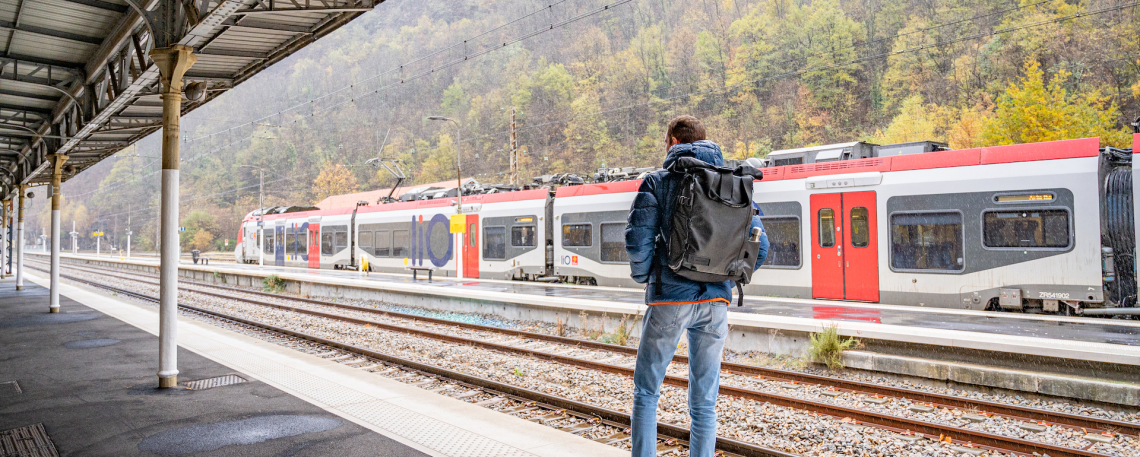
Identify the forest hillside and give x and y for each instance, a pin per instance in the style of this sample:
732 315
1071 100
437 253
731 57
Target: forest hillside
591 83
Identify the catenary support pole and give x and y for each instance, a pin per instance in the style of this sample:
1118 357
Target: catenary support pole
56 181
172 63
20 238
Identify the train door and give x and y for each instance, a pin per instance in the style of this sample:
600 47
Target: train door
826 247
845 260
279 246
314 245
471 248
861 259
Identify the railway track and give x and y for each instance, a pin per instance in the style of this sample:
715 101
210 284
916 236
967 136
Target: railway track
904 426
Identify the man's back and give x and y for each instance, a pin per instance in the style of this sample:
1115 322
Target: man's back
678 305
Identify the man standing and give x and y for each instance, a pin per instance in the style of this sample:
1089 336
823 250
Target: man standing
676 304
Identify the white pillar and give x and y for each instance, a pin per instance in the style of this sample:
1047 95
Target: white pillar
20 239
56 182
172 63
4 238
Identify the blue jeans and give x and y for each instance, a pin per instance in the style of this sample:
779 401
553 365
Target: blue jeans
707 325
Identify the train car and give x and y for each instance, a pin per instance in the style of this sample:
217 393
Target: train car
1043 227
589 237
506 236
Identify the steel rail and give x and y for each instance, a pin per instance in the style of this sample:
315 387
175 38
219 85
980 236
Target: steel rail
680 433
1014 412
956 435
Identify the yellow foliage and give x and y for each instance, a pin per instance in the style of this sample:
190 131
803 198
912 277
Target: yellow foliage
334 180
203 240
1032 112
915 122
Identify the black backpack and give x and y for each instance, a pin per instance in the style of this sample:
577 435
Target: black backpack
712 216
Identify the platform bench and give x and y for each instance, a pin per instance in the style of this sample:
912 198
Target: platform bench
416 270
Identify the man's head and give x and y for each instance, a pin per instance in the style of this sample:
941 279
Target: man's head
684 129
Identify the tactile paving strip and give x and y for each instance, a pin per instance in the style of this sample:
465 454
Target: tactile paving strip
210 383
423 430
30 441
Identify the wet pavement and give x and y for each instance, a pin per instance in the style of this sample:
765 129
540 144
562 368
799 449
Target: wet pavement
90 380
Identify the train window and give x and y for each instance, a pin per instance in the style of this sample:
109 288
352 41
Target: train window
365 241
302 241
927 241
791 161
268 240
341 240
1022 229
577 235
471 235
826 227
784 241
494 243
327 241
613 243
523 236
400 242
382 247
860 231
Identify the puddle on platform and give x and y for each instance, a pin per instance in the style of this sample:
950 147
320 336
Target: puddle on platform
60 318
88 344
208 437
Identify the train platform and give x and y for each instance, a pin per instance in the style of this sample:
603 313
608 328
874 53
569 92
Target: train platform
1116 332
1079 357
82 382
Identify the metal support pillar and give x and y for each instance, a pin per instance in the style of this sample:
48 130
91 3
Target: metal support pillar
20 238
4 238
172 63
56 181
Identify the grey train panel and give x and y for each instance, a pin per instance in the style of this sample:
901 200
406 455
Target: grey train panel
603 281
971 205
508 223
595 219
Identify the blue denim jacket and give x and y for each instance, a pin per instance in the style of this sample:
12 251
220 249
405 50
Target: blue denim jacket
649 217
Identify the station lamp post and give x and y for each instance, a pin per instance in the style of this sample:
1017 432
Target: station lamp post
260 213
74 234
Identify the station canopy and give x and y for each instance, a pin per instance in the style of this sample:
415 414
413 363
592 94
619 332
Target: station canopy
76 77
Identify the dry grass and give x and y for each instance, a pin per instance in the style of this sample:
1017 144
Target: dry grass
827 347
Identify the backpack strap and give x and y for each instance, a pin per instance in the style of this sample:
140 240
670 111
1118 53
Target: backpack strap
740 294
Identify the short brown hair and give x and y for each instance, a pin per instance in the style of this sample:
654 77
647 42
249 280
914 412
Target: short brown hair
686 129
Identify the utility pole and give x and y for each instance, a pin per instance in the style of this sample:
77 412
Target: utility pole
514 151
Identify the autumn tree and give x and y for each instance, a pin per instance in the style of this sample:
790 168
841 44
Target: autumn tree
1033 111
202 241
334 180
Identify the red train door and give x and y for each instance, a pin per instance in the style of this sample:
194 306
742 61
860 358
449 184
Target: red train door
826 246
861 256
314 245
471 248
844 256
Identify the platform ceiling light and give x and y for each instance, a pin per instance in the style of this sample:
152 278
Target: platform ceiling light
196 91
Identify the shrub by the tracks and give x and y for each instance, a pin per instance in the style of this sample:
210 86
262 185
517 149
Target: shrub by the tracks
827 347
273 283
